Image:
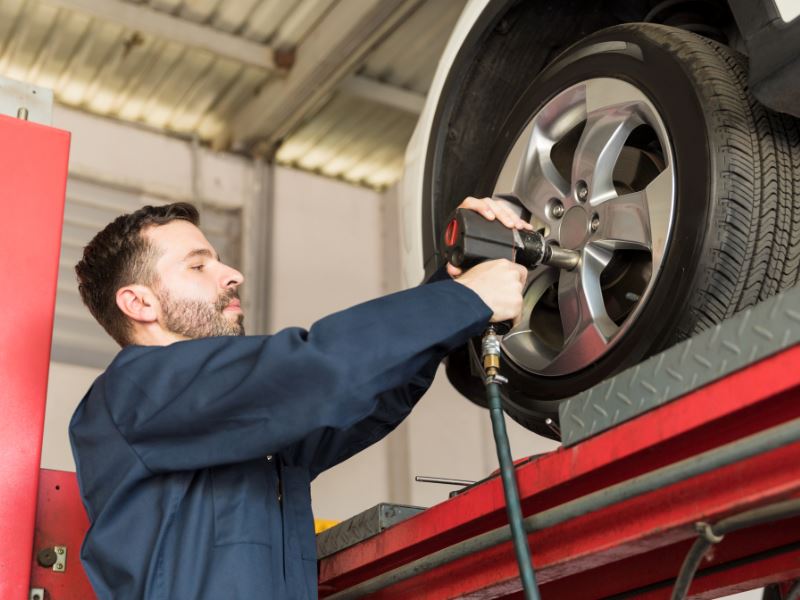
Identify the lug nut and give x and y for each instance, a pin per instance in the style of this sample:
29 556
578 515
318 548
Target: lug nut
595 222
582 190
557 209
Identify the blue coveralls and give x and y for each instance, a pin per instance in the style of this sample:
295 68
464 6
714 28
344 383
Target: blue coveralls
194 459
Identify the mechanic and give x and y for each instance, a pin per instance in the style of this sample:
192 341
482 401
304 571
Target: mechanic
195 448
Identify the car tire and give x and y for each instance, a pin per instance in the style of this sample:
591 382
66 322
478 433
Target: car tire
735 229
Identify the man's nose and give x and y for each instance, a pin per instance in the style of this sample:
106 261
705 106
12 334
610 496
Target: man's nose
232 278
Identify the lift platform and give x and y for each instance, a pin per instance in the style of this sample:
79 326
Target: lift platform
704 431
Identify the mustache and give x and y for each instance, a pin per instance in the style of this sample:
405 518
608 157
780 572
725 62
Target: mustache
225 299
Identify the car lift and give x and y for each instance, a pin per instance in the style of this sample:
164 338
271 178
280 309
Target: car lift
696 434
706 430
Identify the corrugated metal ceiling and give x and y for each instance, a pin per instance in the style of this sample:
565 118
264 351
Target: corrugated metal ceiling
130 71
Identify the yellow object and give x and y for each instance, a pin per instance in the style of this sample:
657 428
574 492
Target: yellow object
321 525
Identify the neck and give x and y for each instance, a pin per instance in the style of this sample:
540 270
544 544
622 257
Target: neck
155 335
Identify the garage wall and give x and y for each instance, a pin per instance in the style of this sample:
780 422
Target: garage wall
310 282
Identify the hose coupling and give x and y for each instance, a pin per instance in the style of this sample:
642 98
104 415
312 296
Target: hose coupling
495 378
490 354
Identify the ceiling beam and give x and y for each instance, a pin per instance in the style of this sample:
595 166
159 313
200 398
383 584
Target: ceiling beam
336 47
141 18
384 93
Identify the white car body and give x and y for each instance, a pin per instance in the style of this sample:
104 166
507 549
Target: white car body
410 186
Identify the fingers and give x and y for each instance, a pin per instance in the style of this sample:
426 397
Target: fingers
492 209
522 272
453 271
504 215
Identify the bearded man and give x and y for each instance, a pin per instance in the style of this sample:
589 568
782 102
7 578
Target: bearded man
195 448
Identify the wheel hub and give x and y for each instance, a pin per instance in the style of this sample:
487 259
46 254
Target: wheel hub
575 228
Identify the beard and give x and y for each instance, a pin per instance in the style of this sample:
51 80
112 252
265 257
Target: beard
198 319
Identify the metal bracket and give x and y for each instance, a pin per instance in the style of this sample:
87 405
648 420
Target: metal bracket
26 101
36 594
61 559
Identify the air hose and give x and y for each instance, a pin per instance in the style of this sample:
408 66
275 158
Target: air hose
493 381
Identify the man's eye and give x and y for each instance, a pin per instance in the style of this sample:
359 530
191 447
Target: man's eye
198 267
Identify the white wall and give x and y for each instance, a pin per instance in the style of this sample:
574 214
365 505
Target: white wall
65 387
326 257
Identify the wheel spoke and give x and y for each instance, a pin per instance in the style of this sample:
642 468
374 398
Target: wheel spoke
529 169
625 222
639 220
587 327
538 180
660 194
520 343
539 279
601 142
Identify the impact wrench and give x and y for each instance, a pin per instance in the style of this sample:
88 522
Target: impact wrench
469 239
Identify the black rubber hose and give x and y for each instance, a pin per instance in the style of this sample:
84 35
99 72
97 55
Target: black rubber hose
518 534
713 534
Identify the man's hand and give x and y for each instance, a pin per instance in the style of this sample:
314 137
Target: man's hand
499 283
491 209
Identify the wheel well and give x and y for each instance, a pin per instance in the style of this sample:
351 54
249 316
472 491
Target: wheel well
482 85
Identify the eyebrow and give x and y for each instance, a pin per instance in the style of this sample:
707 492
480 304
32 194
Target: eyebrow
200 252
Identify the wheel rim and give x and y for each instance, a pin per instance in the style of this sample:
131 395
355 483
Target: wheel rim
594 169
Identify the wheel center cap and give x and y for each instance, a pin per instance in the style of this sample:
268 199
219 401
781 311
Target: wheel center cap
575 227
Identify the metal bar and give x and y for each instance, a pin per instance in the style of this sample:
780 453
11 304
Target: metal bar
443 480
139 17
704 463
384 93
337 47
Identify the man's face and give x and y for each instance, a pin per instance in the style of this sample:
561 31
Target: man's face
197 293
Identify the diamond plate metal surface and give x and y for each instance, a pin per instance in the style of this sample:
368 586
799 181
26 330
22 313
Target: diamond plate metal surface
362 526
751 335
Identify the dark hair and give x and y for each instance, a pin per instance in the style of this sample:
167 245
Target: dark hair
120 255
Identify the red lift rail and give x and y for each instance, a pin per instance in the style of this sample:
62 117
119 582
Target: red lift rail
633 548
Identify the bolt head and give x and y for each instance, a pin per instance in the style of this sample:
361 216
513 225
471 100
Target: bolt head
595 222
60 551
558 210
582 190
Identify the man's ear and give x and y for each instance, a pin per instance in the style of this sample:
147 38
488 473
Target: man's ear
138 303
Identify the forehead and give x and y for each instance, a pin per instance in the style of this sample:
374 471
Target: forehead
176 238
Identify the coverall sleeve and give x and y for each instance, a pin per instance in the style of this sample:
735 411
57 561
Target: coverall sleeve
327 447
214 401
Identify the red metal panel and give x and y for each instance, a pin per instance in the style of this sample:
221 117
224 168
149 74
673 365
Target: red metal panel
33 174
763 570
61 521
760 396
